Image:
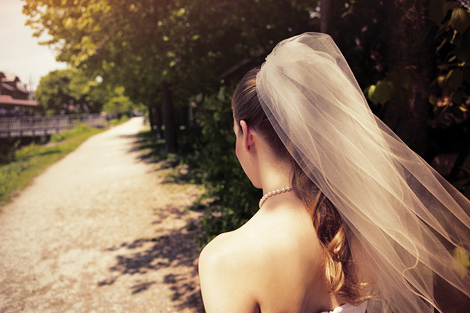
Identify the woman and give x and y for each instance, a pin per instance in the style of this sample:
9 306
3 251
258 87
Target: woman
351 219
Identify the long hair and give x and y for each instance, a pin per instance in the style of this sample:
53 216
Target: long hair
340 271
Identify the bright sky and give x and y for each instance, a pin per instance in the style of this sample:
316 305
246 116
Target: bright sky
20 53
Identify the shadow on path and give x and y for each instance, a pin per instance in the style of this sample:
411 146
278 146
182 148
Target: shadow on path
152 151
170 258
174 253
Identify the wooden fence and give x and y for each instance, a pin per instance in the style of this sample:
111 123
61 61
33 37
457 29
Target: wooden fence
46 125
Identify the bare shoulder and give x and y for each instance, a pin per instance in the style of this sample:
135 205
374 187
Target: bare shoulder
231 253
217 246
226 274
226 249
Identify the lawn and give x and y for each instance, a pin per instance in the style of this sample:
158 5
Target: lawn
19 166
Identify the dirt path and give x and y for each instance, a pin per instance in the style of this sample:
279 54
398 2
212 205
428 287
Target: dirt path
100 231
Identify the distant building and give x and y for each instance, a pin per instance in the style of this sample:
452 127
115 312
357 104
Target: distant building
15 99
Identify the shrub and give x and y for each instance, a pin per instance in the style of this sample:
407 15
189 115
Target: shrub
233 198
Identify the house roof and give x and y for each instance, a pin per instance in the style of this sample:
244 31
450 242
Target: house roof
8 76
12 82
7 86
9 100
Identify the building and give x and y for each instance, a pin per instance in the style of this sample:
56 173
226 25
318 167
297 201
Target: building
15 99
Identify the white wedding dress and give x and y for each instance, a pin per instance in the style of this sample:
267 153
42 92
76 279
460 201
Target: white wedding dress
348 308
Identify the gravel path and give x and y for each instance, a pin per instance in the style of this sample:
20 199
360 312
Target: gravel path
100 231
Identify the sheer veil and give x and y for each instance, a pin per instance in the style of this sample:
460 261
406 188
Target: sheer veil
406 220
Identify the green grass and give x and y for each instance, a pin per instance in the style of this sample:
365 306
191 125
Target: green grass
28 162
118 121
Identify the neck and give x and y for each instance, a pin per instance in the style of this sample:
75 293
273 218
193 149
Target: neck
275 175
273 193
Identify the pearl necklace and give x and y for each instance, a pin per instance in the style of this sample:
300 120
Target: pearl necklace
273 193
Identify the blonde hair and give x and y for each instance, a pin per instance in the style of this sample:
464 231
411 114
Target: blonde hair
341 273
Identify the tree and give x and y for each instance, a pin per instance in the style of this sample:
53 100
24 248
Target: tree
54 93
410 57
118 103
170 44
412 69
69 91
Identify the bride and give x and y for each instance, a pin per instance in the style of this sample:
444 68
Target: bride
351 219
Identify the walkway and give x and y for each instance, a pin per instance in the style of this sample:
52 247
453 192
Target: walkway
100 231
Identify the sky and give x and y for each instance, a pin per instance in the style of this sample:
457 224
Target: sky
20 53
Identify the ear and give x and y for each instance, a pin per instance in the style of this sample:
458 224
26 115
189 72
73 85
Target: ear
248 138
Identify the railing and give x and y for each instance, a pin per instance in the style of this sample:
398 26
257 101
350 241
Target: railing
46 125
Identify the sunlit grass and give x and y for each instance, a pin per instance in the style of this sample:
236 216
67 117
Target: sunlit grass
30 161
118 121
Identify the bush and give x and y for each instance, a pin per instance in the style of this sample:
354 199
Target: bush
233 198
8 146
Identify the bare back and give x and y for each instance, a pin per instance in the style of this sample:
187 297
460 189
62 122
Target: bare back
274 263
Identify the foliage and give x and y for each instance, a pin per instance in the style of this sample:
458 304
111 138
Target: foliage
68 91
118 121
434 114
191 46
449 96
118 103
370 61
78 130
142 44
234 198
195 46
8 146
29 161
54 92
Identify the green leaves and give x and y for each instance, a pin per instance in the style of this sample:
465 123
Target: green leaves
396 86
70 91
449 90
460 20
118 102
380 93
234 199
463 259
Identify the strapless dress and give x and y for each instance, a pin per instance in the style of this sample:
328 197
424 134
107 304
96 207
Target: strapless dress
348 308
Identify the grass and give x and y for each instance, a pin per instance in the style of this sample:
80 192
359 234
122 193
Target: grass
25 163
118 121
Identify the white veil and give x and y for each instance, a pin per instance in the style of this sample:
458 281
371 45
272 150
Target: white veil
405 216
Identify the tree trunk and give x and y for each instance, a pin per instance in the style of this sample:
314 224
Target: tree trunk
151 118
333 15
157 120
408 117
330 15
168 119
326 7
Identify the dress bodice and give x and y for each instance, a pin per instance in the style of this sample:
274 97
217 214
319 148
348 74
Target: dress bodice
348 308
